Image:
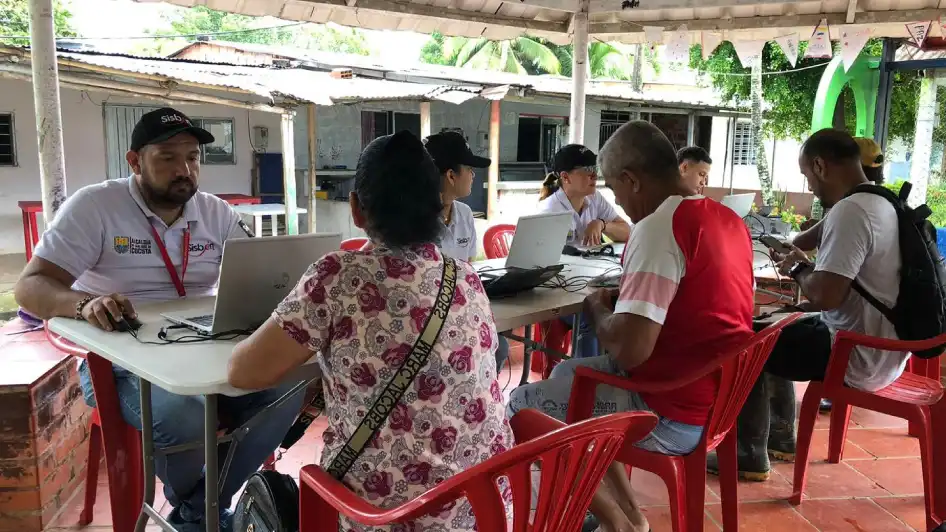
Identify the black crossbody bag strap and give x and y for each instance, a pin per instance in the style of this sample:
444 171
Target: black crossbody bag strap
403 377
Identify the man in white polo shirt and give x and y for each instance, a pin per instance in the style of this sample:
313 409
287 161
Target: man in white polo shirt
152 237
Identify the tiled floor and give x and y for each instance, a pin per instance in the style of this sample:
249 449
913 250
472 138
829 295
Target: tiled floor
877 488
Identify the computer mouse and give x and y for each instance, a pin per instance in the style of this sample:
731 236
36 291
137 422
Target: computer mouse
125 324
571 251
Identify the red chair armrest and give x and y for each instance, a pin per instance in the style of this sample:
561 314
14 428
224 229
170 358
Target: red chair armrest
530 424
62 344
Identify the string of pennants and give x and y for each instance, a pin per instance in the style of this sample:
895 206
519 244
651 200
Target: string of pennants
853 39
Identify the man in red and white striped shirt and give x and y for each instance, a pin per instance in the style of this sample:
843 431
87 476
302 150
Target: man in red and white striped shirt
686 298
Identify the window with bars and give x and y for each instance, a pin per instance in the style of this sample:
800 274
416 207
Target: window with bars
610 122
743 144
220 151
7 143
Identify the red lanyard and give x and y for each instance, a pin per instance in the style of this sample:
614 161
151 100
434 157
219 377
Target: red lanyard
178 280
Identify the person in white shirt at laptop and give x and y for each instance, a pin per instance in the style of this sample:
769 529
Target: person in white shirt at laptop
151 237
456 163
572 187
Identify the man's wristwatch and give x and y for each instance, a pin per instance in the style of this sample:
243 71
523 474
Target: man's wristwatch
81 305
797 269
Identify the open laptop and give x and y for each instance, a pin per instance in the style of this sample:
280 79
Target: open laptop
741 204
534 255
256 274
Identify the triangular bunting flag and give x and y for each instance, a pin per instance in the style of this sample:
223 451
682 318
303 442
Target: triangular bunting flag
654 35
852 42
789 46
819 45
749 52
919 31
678 46
710 41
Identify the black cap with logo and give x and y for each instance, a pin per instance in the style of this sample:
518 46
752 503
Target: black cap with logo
573 156
449 150
161 124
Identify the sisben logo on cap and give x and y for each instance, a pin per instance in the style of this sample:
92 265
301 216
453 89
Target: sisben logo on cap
175 119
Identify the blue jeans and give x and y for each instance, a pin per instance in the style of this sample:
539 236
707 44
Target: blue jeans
179 419
502 353
587 340
552 396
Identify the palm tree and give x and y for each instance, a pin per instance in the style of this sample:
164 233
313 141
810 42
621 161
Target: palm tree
522 55
525 55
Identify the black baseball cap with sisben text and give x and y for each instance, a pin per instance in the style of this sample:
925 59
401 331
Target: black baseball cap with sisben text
573 156
161 124
449 150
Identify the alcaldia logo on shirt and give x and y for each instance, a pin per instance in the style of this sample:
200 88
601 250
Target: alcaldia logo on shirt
125 245
463 241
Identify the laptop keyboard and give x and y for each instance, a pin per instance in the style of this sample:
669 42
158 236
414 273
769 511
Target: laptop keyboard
206 320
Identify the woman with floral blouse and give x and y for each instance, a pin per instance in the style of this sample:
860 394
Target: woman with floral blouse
360 314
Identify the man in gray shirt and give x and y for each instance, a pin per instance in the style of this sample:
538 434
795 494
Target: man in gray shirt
859 241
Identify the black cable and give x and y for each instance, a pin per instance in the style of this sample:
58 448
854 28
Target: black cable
190 338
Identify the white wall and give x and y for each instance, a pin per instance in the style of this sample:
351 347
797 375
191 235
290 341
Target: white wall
785 173
84 142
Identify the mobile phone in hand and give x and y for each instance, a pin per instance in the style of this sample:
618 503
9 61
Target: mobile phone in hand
776 244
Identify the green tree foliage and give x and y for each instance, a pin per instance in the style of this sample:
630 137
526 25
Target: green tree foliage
789 97
200 20
525 55
15 20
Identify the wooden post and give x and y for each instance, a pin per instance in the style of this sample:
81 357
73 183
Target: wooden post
289 173
313 162
424 120
492 192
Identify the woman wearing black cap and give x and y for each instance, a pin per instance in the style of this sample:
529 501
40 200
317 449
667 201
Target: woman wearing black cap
572 187
360 314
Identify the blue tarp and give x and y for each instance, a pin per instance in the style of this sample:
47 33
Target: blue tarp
941 240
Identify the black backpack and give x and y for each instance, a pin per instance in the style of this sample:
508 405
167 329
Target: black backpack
920 310
270 503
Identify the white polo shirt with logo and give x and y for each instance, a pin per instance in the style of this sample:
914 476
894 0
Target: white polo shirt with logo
596 207
459 236
102 236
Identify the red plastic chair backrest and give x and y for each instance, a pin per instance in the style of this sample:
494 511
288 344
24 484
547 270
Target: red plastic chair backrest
738 374
497 239
573 461
62 344
353 244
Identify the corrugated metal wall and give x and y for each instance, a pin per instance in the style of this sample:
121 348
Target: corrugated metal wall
120 120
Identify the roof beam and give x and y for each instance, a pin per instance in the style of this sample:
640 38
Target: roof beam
605 6
420 10
569 6
768 22
851 11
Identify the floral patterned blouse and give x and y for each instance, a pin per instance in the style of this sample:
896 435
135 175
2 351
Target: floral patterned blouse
361 312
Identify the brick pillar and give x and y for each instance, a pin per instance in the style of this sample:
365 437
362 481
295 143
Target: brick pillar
43 440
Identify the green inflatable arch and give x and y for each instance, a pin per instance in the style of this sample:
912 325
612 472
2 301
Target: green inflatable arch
864 80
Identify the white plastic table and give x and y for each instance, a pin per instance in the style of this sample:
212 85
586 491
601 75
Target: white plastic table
260 210
544 304
201 368
183 369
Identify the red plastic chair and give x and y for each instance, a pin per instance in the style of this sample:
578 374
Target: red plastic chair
496 240
909 397
353 244
685 476
574 459
121 442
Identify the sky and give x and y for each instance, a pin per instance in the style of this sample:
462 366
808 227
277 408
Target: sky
101 18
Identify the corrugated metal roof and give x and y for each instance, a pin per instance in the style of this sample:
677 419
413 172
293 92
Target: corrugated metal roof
271 83
448 84
621 20
414 71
